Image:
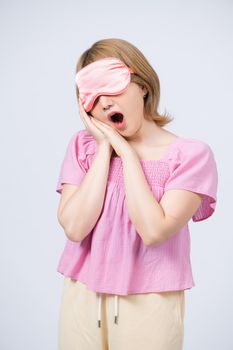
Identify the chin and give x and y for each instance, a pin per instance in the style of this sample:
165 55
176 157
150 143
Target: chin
127 135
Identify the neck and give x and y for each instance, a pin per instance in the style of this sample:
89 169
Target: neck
148 134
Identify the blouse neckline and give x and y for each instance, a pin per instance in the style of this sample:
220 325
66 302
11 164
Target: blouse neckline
167 152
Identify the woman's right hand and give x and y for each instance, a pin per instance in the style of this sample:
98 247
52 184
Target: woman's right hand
97 133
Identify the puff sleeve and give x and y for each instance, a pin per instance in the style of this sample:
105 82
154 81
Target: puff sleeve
76 161
195 169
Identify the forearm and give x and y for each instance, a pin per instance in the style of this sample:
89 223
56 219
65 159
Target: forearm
144 211
83 208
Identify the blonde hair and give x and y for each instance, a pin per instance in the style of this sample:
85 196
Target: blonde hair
144 75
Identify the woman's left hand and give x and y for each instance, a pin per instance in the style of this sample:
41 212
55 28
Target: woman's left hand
119 144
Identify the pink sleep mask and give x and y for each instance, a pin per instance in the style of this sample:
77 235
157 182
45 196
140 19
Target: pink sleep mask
106 76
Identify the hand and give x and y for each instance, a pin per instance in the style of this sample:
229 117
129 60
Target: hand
92 128
120 145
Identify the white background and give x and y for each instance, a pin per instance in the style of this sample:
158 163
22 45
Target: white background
189 44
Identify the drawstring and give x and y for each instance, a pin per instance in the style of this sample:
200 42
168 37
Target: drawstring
116 309
100 309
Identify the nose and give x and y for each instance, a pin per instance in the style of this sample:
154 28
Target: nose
105 101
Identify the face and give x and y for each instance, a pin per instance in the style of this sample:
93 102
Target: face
130 103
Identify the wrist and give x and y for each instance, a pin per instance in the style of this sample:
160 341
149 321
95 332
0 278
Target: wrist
129 154
105 147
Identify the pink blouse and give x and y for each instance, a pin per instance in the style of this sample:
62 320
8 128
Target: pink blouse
113 258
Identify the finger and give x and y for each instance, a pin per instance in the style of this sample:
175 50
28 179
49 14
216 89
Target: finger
81 107
84 118
84 115
99 126
102 124
96 123
79 100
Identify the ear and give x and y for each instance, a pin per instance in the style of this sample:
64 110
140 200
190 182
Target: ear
144 90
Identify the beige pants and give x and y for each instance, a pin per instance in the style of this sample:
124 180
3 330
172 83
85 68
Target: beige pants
148 321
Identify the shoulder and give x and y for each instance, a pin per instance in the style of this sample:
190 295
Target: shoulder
191 153
193 167
192 147
82 135
82 143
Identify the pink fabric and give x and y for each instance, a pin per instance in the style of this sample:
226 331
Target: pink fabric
113 258
106 76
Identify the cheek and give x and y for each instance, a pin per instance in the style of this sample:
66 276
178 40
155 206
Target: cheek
136 107
93 113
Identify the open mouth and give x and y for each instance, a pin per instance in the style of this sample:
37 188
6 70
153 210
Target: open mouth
117 118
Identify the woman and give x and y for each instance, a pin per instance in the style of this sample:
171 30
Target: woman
128 189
